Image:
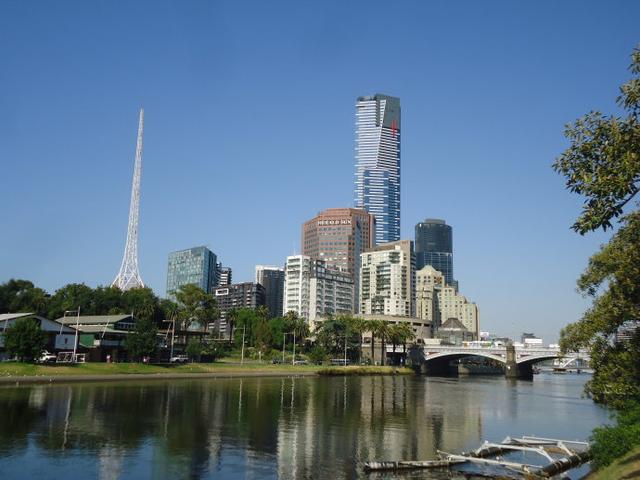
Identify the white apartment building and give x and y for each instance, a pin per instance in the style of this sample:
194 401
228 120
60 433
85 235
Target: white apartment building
387 280
313 290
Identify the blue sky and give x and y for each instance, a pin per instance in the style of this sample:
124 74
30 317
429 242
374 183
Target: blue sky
249 131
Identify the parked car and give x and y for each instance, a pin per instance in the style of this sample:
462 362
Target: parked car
46 357
179 359
301 362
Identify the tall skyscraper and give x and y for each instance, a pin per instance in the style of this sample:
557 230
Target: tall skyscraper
129 276
377 183
338 236
194 265
272 279
434 246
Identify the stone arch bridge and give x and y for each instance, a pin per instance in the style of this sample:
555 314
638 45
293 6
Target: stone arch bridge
518 361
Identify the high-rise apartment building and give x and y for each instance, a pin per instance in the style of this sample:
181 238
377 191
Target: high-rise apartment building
272 279
434 246
312 290
234 296
338 236
387 280
195 265
377 179
224 275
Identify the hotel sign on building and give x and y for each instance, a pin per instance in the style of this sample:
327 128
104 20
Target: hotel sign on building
339 221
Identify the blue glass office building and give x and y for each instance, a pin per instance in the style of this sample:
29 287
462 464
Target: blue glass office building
434 246
194 265
377 182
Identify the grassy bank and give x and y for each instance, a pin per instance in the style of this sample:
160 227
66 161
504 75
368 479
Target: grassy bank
364 370
626 467
10 369
17 370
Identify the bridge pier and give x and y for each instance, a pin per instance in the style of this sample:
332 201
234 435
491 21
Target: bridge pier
513 369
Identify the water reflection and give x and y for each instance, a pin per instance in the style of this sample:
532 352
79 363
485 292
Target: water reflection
270 427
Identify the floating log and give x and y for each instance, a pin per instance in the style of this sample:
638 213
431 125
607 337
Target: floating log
564 464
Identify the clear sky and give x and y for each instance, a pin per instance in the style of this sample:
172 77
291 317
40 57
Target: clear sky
249 131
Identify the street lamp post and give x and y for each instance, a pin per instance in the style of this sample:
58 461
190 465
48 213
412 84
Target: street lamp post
75 342
244 327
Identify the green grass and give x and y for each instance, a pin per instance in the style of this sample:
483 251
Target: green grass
626 467
364 370
24 369
11 369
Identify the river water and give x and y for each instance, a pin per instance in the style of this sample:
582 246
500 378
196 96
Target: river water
303 427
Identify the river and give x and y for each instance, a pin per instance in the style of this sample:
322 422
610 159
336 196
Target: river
305 427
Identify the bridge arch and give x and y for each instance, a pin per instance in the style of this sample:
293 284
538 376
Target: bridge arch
458 355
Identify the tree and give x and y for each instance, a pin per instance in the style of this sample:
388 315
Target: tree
196 305
194 349
143 340
24 339
22 296
294 324
603 165
381 329
603 161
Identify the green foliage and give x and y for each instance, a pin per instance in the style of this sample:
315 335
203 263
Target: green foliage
194 349
22 296
611 442
195 305
603 165
143 341
318 354
24 339
613 280
603 161
331 336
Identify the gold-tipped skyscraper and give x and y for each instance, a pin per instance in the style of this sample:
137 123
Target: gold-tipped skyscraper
129 276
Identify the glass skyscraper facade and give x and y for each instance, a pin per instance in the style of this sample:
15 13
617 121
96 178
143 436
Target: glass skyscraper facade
377 182
194 265
434 246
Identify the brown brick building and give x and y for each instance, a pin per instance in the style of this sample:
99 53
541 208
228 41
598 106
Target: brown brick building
338 236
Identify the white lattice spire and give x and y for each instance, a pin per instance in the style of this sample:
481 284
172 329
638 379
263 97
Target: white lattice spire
129 276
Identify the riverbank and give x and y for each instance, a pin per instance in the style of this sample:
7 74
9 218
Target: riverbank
625 467
20 373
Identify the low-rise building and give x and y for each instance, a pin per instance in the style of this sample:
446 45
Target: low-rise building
102 335
58 337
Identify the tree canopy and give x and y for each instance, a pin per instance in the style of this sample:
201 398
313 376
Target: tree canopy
603 165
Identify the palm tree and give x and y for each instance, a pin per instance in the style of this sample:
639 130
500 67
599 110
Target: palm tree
359 326
372 326
382 331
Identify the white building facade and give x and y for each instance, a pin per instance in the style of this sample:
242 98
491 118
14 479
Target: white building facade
312 290
387 280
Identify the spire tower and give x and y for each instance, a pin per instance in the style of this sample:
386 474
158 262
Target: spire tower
129 276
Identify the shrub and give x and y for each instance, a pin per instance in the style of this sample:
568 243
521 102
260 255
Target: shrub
613 441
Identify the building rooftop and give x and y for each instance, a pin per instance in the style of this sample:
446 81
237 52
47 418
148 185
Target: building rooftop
93 319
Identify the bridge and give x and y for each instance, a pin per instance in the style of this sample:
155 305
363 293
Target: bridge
518 361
